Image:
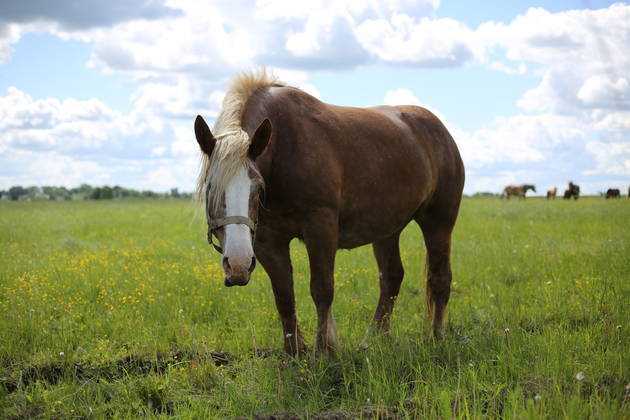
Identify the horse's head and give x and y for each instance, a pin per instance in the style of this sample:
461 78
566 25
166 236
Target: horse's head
529 187
232 187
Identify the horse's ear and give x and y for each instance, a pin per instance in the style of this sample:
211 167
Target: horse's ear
260 139
204 136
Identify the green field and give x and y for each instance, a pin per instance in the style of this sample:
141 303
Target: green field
118 309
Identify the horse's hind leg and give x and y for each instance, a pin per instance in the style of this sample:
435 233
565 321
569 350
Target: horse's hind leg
390 275
437 238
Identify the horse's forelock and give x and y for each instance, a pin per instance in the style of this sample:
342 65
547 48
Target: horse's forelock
228 157
230 151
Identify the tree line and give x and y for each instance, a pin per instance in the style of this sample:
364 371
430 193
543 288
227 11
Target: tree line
84 192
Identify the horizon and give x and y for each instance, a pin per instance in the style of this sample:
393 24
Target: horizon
541 194
106 94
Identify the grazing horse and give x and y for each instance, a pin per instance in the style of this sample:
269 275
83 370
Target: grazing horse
280 164
517 190
613 193
572 192
552 193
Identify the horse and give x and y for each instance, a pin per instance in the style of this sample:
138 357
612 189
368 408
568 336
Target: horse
280 164
517 190
572 192
613 193
552 193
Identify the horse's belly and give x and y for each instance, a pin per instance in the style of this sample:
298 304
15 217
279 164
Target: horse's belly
352 238
379 221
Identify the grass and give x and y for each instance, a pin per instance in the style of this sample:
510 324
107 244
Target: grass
118 309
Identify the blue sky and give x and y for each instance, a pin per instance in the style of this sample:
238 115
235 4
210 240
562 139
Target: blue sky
533 92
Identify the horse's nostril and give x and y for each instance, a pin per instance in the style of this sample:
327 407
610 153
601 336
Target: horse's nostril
226 263
251 267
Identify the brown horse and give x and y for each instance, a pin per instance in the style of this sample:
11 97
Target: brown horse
552 193
282 165
613 193
572 192
517 190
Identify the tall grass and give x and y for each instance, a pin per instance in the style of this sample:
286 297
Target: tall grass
118 309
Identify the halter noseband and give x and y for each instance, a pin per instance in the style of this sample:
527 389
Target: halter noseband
214 224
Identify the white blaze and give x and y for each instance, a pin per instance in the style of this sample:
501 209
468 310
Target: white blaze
238 243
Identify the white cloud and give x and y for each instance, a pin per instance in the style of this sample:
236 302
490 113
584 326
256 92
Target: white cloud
400 97
615 123
519 139
578 53
73 14
611 158
599 91
181 54
405 39
9 34
48 141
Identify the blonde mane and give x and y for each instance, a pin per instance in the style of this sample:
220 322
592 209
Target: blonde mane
230 150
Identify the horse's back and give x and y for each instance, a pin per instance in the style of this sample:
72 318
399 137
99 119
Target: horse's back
375 166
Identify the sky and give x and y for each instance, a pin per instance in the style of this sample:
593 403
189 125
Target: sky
107 92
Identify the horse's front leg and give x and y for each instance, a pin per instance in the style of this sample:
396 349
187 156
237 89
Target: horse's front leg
320 237
273 253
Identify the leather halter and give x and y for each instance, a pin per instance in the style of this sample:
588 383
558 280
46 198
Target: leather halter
214 224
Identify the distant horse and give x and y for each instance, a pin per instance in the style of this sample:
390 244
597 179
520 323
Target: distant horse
517 190
552 193
572 192
281 165
628 193
613 193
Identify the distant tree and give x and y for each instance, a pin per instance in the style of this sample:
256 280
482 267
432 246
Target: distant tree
64 193
33 191
148 194
49 191
106 193
95 194
16 192
118 191
86 191
82 192
132 193
56 193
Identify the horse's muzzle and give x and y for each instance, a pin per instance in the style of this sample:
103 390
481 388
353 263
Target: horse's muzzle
236 281
237 276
